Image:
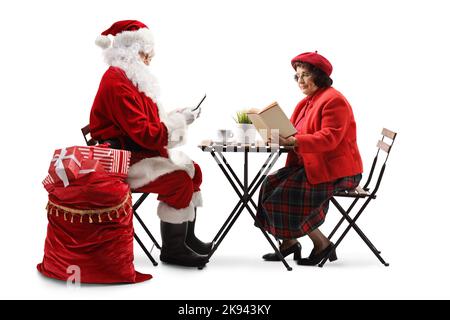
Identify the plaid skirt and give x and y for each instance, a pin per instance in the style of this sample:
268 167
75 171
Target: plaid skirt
290 207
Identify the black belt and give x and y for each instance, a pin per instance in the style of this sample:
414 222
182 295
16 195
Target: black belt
127 144
113 143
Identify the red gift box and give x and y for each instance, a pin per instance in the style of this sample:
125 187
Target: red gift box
100 159
65 165
48 181
112 160
90 165
87 166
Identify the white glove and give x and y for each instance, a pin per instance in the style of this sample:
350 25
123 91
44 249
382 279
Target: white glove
190 115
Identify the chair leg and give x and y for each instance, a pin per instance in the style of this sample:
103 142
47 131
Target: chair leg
352 224
147 231
136 205
344 217
145 250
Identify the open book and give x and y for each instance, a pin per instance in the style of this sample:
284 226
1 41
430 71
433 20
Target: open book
271 120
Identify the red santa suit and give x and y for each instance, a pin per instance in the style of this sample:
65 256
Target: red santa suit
126 109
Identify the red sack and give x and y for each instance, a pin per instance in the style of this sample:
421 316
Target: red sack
91 227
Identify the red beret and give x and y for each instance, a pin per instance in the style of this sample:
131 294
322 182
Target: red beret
316 60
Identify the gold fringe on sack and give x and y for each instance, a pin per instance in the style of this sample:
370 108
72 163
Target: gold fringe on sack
124 207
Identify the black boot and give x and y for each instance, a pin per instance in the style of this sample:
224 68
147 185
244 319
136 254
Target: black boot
194 243
174 249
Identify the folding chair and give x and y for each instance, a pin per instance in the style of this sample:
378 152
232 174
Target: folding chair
362 193
91 142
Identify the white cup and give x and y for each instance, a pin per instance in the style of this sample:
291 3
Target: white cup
224 135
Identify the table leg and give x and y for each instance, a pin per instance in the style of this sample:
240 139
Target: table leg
226 228
275 248
234 214
264 171
245 203
245 198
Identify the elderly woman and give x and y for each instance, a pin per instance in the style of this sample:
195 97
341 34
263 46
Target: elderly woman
325 159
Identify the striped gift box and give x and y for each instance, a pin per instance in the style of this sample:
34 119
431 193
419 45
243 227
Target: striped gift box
112 160
48 180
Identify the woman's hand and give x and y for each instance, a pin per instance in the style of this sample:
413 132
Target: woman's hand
291 141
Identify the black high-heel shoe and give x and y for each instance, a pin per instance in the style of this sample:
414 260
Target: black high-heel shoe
315 258
296 249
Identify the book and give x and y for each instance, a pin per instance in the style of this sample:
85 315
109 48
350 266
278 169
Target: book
271 120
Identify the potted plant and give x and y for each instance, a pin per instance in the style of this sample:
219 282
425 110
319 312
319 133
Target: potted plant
245 131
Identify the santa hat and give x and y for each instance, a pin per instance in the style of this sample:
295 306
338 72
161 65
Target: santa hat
127 33
316 60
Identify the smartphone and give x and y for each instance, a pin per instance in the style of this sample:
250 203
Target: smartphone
199 103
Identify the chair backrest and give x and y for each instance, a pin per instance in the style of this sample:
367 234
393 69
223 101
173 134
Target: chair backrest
385 146
86 130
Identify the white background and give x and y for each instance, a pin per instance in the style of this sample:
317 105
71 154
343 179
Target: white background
390 58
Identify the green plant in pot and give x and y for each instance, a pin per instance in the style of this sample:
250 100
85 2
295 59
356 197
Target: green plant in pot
245 131
242 117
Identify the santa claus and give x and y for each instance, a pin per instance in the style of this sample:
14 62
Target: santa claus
127 113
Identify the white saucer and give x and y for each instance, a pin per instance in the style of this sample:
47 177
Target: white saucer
224 142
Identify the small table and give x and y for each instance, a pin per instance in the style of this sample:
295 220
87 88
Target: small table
246 191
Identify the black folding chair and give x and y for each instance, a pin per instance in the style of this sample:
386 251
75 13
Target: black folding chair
92 142
363 193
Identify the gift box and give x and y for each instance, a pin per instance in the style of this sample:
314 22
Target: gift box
48 181
112 160
65 165
87 166
90 165
99 158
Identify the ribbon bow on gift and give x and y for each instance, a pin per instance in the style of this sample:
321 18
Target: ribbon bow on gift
60 170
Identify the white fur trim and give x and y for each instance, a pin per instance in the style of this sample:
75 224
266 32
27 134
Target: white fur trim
150 169
197 199
171 215
142 37
103 42
181 160
177 128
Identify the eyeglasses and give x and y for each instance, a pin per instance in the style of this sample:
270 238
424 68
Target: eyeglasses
302 76
146 56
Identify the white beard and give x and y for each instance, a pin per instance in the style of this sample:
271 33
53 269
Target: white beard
137 72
